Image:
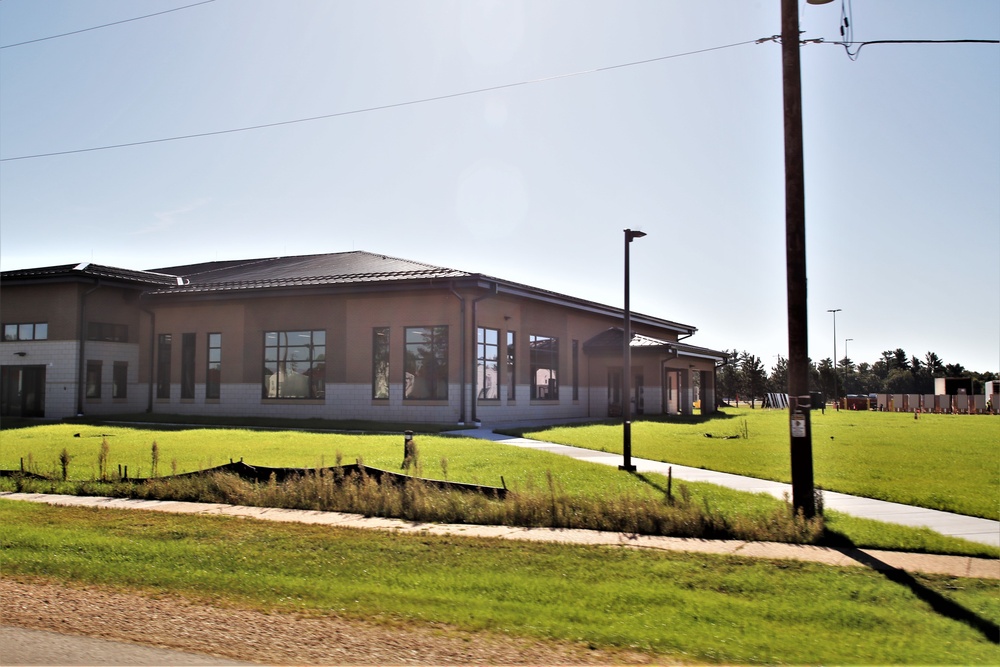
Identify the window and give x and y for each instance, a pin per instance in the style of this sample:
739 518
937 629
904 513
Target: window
380 362
511 374
163 365
93 379
114 333
188 342
426 363
31 331
119 380
544 359
576 370
294 364
487 369
213 374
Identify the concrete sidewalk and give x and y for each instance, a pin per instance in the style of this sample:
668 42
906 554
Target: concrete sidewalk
970 528
956 566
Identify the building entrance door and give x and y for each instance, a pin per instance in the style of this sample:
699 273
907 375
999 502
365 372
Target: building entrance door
22 391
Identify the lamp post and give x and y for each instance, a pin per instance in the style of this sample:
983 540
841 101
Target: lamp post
627 365
846 341
836 375
800 402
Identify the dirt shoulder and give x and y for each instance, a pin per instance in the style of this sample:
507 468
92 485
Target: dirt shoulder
253 636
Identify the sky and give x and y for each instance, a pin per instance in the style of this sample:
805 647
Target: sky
519 140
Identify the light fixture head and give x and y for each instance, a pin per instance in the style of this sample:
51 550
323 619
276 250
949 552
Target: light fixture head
633 234
819 2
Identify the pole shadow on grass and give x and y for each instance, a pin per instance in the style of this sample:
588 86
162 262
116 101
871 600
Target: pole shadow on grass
938 602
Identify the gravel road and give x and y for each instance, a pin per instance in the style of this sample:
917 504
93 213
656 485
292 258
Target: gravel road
169 622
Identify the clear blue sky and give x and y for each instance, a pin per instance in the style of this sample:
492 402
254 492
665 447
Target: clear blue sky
531 183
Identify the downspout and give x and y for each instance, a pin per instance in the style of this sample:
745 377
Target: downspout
152 358
461 413
81 369
475 352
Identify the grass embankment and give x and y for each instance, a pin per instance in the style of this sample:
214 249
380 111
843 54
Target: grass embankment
943 462
680 607
547 489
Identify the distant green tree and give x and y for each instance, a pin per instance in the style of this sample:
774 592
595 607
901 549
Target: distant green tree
753 377
826 376
777 381
900 381
933 364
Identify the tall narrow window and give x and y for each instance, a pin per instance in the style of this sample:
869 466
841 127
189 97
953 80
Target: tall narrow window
380 362
294 364
93 379
487 369
544 360
188 342
213 373
119 380
425 365
511 365
576 370
163 366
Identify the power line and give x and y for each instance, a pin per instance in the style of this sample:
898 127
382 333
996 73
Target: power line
854 54
98 27
375 108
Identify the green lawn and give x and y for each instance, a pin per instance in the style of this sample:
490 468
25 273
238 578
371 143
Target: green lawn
945 462
467 460
676 606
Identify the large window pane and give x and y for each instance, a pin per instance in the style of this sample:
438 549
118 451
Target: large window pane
213 375
380 362
188 342
294 364
487 371
544 353
93 389
163 366
119 380
511 365
426 363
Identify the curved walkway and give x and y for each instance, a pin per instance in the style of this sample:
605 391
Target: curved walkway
970 528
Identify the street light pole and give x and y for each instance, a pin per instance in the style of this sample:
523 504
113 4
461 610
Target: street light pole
846 340
627 364
836 375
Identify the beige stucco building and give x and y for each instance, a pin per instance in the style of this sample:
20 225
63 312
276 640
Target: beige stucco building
350 335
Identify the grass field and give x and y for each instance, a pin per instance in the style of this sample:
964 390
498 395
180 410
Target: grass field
681 607
457 459
945 462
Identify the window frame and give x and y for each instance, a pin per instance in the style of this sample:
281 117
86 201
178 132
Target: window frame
381 351
189 348
544 360
107 332
213 366
119 380
92 388
16 328
484 362
315 364
511 355
437 389
164 354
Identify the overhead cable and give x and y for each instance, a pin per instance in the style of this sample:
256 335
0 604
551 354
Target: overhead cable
106 25
375 108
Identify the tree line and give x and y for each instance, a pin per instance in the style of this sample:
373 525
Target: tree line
745 377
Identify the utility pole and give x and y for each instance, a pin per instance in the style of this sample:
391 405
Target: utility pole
800 402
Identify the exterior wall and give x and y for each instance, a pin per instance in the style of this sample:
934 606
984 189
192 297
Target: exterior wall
58 305
61 370
347 319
